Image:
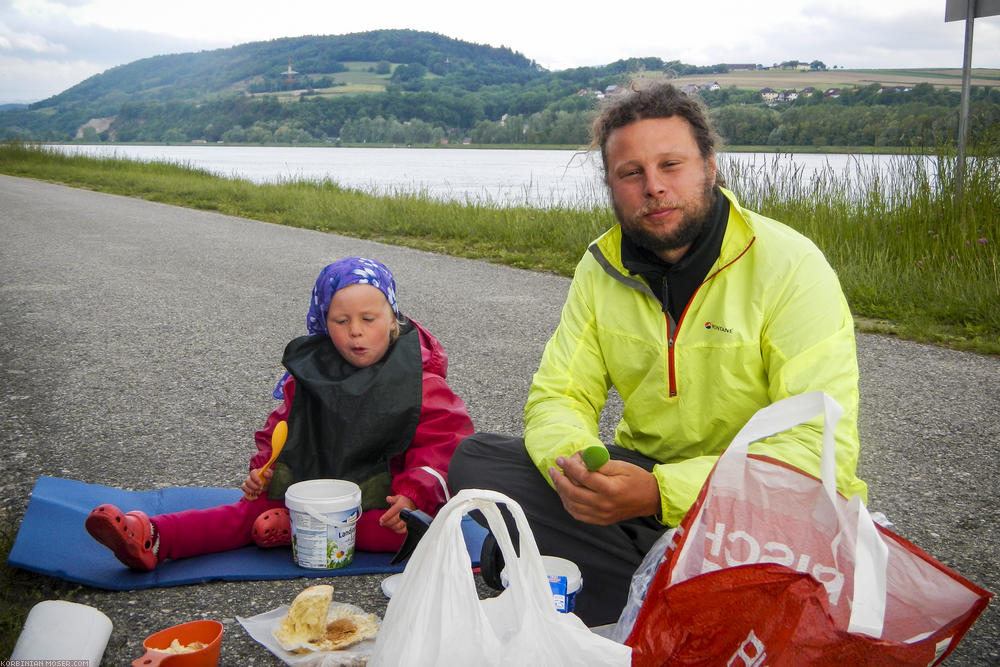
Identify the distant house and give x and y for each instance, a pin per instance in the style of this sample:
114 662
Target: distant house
611 90
807 92
832 93
769 95
689 89
788 95
712 85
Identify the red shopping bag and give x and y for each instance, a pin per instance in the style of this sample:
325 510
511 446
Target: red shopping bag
771 566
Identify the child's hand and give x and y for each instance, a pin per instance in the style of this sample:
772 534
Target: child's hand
254 485
390 519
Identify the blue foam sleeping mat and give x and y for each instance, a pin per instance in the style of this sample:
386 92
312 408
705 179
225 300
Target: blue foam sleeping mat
52 540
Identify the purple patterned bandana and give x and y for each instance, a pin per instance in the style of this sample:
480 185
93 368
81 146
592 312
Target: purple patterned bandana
336 276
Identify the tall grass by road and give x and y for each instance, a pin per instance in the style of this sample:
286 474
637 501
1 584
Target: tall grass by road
913 261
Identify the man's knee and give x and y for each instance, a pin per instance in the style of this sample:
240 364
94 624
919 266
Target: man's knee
479 456
462 463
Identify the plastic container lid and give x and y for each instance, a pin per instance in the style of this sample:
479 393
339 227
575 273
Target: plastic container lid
557 567
391 583
323 495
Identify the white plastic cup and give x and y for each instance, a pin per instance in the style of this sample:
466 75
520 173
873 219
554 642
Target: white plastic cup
61 630
565 580
324 514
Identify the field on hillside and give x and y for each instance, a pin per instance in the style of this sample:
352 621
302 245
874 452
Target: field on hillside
359 78
845 78
363 74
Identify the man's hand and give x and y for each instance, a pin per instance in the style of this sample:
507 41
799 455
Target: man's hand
616 492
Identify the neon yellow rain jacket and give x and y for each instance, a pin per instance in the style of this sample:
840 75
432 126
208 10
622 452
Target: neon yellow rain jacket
769 321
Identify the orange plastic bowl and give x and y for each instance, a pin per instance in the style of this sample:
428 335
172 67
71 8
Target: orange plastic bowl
206 632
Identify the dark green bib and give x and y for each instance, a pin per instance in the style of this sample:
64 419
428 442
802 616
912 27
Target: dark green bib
347 422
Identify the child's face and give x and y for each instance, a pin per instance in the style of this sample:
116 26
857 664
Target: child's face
360 323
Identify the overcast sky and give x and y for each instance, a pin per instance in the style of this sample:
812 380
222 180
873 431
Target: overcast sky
46 46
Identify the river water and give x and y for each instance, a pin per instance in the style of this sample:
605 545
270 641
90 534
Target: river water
494 176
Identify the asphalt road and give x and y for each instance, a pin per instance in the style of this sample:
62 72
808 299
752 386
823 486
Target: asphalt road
140 343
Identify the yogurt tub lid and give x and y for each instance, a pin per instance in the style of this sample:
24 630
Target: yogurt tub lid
391 583
557 567
330 494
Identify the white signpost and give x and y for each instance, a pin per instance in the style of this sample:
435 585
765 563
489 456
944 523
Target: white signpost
969 10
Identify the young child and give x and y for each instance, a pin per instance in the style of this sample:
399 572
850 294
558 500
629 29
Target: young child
364 398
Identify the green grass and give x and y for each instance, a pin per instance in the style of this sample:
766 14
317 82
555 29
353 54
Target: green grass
913 262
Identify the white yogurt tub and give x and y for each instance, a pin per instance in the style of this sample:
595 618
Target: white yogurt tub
564 579
323 513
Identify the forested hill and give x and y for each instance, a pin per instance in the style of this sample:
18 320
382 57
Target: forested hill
406 75
208 74
410 87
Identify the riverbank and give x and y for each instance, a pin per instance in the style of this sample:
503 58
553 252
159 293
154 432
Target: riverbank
805 150
913 263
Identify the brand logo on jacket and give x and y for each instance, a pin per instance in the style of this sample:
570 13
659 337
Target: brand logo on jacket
751 653
717 327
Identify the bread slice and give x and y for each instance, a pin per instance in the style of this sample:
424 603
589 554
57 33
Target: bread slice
346 625
306 619
314 624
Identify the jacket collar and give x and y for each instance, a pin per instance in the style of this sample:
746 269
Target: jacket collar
739 233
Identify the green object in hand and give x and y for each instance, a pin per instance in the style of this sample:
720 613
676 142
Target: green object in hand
595 456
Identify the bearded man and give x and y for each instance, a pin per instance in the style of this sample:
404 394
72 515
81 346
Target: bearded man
699 313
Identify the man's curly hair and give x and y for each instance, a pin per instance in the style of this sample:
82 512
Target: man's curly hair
657 100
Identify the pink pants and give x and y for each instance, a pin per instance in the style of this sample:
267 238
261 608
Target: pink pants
196 532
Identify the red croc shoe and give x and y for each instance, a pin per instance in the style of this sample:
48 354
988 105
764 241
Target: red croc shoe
273 528
129 536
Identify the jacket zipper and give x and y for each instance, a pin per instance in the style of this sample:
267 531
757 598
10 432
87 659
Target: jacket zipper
674 329
671 334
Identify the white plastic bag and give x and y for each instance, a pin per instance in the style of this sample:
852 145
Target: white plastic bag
436 616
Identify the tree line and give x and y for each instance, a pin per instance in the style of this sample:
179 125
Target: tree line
921 119
439 89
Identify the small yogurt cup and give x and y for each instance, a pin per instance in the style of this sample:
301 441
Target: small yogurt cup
564 578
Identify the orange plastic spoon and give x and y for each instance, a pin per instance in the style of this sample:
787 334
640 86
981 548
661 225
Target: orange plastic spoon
277 443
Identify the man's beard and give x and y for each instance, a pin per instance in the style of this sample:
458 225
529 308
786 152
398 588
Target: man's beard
693 221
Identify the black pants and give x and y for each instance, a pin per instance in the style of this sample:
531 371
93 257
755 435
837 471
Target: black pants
606 555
